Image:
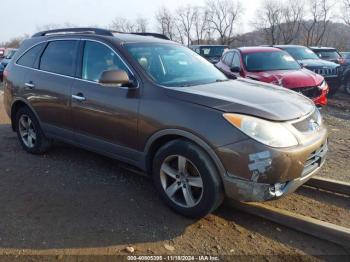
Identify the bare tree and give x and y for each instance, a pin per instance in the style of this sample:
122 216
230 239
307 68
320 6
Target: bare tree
186 16
55 26
222 16
166 23
14 42
201 26
315 28
269 19
141 24
293 14
122 24
345 10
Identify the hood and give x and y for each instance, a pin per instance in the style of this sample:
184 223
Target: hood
289 78
316 63
248 97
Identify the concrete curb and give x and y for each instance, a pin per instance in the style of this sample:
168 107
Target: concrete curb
329 185
317 228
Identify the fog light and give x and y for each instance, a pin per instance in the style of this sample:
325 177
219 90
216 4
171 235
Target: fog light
277 189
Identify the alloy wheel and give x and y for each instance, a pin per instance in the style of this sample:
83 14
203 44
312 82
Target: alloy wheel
27 131
181 181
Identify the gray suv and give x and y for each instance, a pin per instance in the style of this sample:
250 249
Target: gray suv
163 108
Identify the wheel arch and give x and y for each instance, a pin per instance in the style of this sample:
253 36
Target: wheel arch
16 105
164 136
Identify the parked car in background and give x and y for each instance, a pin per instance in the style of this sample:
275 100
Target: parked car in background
328 53
332 54
164 109
9 53
346 72
212 53
308 59
2 53
272 65
346 56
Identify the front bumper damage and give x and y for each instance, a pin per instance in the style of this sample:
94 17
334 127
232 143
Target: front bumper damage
255 172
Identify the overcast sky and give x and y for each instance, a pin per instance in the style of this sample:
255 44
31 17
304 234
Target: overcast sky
20 17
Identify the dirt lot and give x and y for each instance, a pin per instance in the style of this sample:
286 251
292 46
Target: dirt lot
71 201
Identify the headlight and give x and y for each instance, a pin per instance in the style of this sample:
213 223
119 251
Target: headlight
323 86
266 132
319 119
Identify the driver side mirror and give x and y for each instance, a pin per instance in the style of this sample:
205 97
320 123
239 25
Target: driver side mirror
115 78
235 69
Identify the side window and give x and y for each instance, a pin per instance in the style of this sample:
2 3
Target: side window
59 57
98 58
236 61
228 58
28 59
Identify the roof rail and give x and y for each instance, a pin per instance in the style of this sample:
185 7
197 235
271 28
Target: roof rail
89 30
82 30
161 36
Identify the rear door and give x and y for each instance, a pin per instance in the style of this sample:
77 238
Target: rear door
225 63
236 63
50 85
104 117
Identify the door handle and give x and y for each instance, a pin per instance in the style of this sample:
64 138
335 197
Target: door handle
30 85
79 97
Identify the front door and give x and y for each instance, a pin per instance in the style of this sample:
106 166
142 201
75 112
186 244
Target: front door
104 117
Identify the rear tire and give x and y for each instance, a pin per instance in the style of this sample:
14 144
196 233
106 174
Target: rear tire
186 179
29 132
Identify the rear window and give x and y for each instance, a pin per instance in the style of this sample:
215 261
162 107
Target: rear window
28 59
59 57
212 51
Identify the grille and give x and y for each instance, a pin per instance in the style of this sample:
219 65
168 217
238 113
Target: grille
326 71
310 92
304 125
315 160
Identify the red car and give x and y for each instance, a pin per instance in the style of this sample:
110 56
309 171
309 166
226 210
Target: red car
272 65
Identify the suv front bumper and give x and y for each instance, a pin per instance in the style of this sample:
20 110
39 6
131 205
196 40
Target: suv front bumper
255 172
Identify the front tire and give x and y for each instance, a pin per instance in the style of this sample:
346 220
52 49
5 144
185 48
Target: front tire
187 179
29 132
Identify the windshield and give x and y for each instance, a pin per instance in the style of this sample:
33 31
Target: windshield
268 61
212 51
328 54
10 54
173 65
300 53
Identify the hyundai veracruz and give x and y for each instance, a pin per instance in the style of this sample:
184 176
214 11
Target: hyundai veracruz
163 108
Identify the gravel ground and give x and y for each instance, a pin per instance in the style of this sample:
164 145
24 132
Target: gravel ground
71 201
